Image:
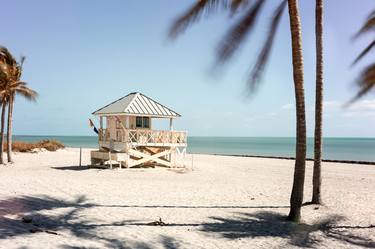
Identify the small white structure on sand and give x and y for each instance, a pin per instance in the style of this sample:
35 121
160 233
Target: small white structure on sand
129 139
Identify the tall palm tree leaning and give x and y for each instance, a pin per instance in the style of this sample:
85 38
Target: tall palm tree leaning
366 81
317 178
231 43
11 85
3 103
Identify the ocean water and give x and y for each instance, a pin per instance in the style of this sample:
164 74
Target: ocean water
357 149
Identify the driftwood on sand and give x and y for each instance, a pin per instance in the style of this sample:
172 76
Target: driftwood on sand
157 223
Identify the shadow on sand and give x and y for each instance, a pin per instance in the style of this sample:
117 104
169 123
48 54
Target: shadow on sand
270 224
244 225
116 166
70 220
75 168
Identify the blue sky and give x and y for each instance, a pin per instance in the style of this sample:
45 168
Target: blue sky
82 55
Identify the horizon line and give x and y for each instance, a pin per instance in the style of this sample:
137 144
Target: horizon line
202 136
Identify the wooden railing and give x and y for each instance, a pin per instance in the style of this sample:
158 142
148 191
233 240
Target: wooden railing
103 135
145 136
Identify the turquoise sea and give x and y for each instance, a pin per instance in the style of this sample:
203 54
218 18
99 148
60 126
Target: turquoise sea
356 149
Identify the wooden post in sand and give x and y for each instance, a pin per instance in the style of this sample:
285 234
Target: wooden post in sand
110 160
192 162
80 156
111 146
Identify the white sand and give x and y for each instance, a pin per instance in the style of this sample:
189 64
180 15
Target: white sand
225 202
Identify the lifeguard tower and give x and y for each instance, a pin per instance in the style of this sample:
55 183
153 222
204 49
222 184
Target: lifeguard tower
126 135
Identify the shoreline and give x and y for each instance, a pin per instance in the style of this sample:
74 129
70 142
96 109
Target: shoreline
293 158
346 150
267 157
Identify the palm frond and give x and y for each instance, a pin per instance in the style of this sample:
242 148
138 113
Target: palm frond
7 57
3 76
10 74
236 4
9 65
193 14
16 84
22 60
23 90
17 72
237 34
364 52
369 25
366 81
372 13
258 69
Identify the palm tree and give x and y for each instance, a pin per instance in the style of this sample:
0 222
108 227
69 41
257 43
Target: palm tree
231 43
296 198
3 101
3 108
317 179
366 80
10 87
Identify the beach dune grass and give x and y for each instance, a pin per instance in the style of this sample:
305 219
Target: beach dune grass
50 145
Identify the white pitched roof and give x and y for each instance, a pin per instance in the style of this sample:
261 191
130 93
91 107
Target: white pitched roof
136 104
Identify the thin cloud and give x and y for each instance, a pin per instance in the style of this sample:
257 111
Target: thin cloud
361 108
288 106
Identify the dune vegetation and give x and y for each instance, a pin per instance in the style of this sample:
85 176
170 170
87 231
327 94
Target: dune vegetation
50 145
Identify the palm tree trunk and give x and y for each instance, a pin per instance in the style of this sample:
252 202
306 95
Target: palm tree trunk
299 170
9 129
317 179
2 134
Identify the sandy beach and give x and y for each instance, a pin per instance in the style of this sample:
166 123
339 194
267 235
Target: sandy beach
222 202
